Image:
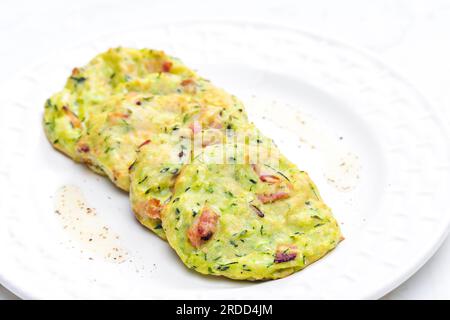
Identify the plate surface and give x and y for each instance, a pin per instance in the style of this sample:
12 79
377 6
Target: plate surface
393 217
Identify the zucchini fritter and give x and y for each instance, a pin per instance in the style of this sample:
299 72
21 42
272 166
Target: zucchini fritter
255 220
119 70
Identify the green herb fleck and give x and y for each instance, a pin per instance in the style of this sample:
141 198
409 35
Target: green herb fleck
78 80
314 191
318 225
142 181
245 268
229 193
234 244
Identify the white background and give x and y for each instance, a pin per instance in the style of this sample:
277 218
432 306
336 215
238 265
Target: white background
413 36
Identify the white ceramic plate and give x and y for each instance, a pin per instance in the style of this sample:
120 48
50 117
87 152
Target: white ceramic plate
393 218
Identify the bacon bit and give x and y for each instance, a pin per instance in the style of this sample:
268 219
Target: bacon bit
203 228
83 148
131 165
138 103
75 71
151 208
166 66
269 178
144 143
256 168
257 210
285 253
189 85
187 82
195 126
265 177
119 115
76 123
269 198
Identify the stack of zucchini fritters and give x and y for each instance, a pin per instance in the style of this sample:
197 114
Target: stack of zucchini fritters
199 173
